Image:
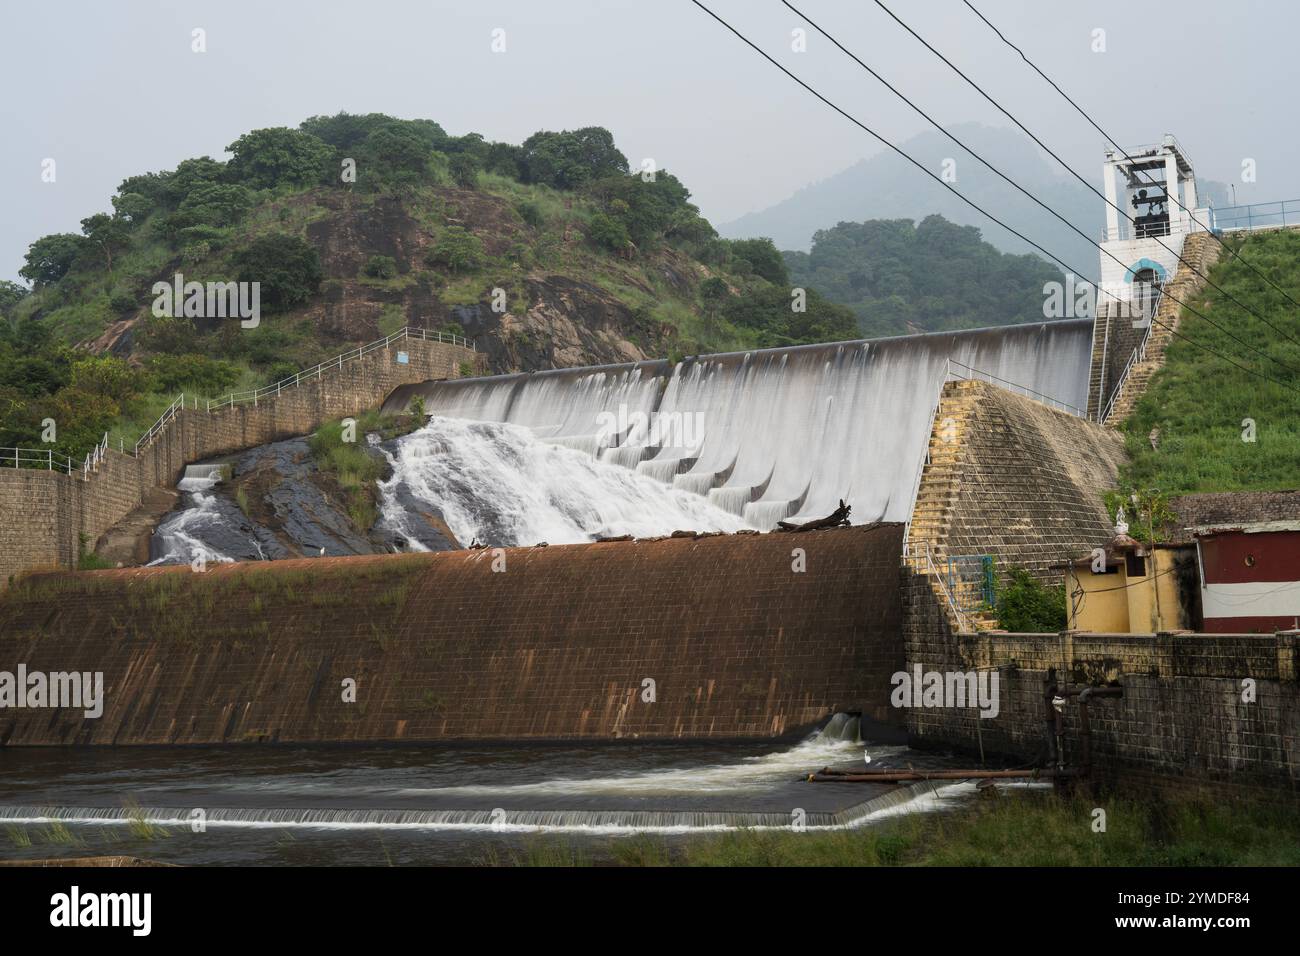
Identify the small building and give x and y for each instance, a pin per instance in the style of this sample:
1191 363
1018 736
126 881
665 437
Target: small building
1229 565
1250 577
1125 587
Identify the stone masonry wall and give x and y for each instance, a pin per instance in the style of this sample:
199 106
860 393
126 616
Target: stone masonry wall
50 517
1181 719
1032 480
558 645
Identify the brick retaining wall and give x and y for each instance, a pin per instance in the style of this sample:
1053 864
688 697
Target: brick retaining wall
558 645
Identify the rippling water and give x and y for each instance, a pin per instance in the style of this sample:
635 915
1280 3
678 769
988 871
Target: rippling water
426 805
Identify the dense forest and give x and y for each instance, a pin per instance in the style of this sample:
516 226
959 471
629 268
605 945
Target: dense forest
899 276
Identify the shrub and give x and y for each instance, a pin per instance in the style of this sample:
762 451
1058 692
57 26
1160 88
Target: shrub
287 267
458 249
531 213
380 267
1026 606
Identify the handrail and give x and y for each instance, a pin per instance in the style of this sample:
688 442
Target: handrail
925 459
1139 354
172 410
1251 214
34 457
932 571
981 375
337 362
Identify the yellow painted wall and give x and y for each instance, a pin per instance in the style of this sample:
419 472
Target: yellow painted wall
1118 604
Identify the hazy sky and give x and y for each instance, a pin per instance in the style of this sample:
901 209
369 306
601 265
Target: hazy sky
110 89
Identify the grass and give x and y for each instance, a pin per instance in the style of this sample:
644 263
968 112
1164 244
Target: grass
1203 406
1025 828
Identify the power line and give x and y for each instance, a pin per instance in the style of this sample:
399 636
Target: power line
1104 251
885 142
1112 141
1064 165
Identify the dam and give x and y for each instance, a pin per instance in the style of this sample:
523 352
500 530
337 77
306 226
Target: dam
774 434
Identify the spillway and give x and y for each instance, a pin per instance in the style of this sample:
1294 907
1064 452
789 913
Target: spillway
780 433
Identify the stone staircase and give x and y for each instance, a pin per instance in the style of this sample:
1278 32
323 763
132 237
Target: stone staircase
1202 252
936 496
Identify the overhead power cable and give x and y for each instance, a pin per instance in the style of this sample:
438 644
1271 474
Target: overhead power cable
1064 165
915 162
1110 139
1083 235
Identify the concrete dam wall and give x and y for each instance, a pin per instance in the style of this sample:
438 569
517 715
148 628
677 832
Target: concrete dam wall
777 433
529 643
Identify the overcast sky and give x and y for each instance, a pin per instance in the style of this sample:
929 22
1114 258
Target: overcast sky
111 89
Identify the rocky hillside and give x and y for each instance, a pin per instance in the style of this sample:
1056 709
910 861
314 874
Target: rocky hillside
546 254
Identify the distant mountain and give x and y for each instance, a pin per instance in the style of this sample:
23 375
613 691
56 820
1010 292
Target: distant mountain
899 277
888 187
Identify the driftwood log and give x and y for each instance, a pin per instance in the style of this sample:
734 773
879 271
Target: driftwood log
836 519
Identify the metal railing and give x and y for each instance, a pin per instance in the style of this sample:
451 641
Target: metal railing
1138 355
38 457
1260 215
922 560
95 456
972 582
237 398
968 373
163 420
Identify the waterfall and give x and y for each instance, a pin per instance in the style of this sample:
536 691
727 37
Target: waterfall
181 536
499 484
782 433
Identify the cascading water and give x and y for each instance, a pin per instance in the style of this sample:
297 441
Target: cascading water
498 484
781 433
184 534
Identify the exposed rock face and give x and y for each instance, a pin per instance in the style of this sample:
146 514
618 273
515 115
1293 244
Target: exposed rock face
568 323
279 504
556 318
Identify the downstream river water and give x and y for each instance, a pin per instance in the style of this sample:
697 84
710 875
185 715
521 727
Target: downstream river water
420 806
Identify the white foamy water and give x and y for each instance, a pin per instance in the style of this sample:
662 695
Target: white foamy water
501 484
786 433
181 535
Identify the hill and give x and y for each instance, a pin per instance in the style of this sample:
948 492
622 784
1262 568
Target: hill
900 277
886 186
1201 404
548 253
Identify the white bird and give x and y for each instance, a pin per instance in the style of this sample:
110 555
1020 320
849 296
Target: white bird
322 552
866 758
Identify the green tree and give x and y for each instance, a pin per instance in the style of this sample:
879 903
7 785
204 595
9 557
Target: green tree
568 159
278 156
458 249
287 267
11 293
49 258
763 258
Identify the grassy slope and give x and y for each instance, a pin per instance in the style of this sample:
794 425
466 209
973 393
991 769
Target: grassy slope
1199 401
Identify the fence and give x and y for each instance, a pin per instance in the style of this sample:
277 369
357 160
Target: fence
1260 215
235 398
47 459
